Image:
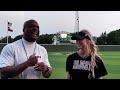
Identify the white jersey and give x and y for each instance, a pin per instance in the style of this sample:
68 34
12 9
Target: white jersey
17 53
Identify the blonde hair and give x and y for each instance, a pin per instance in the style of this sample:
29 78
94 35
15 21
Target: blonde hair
93 49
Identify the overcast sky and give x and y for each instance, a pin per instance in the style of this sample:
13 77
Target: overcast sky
53 21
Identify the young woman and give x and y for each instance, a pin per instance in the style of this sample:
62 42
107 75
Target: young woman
85 63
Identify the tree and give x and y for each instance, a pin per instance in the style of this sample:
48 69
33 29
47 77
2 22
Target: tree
69 36
45 39
102 40
114 37
4 40
17 37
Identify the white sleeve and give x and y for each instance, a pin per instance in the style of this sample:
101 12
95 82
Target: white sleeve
6 57
46 61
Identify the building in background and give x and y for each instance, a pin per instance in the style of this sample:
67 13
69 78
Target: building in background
62 37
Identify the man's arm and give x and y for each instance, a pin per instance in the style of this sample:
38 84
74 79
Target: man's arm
46 68
12 71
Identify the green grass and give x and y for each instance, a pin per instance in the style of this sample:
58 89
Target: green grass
111 60
112 63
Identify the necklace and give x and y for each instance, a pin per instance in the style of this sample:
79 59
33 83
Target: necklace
25 49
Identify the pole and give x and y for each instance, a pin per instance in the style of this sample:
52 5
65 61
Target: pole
76 21
7 32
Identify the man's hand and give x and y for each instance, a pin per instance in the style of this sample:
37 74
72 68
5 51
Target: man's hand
41 67
32 60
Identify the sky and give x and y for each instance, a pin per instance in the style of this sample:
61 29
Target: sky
51 22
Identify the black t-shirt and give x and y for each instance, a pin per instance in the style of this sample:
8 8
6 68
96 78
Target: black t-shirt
79 68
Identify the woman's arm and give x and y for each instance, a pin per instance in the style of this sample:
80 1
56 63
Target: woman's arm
100 78
68 75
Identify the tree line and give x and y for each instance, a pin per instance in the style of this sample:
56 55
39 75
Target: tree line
42 39
112 38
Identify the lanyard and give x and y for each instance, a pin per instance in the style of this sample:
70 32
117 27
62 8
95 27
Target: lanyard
25 49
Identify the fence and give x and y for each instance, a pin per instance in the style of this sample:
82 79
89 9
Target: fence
72 47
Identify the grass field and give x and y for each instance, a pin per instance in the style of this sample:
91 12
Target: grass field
111 60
